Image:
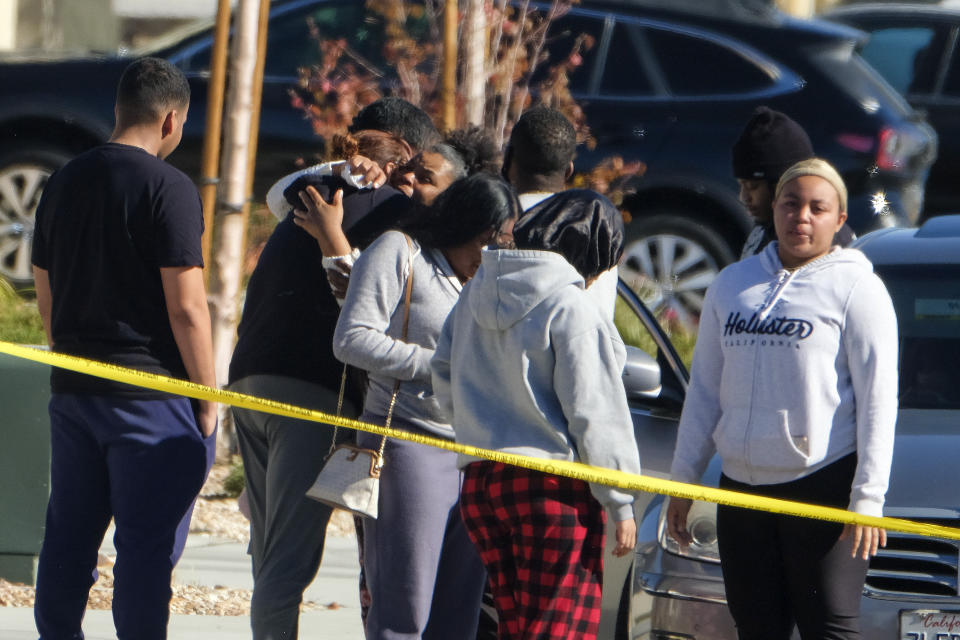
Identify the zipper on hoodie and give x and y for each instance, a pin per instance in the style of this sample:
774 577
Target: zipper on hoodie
782 281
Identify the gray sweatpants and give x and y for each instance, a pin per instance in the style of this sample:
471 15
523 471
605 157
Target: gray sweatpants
424 574
281 459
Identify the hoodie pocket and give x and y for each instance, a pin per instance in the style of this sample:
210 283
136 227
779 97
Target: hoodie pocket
777 448
798 443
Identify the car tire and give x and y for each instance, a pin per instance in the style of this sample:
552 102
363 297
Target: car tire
670 259
23 175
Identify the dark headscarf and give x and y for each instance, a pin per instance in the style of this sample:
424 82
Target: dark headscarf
579 224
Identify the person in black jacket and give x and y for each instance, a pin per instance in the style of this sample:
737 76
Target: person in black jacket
284 352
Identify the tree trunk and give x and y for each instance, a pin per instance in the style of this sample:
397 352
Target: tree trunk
227 265
474 60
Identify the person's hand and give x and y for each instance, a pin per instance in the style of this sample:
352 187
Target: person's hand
677 511
207 418
319 218
866 540
339 281
368 171
626 537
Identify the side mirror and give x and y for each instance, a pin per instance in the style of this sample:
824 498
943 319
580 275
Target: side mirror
641 375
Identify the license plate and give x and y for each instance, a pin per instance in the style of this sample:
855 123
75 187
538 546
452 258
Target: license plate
929 624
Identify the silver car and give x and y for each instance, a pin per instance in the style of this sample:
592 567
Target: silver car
912 590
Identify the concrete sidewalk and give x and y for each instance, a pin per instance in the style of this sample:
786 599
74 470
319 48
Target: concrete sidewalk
214 562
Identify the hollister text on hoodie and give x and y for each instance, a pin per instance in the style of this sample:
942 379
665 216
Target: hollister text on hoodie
792 371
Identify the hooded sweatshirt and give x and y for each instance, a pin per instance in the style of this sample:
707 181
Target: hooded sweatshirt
526 363
370 327
793 371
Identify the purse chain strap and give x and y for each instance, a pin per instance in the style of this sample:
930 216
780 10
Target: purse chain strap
396 385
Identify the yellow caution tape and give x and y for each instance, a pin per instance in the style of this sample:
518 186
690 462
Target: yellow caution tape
580 471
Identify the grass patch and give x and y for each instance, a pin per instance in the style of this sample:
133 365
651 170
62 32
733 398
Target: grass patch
19 319
635 334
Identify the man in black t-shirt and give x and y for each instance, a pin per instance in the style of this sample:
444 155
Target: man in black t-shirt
119 278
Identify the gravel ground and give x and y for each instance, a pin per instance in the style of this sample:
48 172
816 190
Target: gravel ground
215 514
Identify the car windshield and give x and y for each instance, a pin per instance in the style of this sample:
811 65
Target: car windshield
927 300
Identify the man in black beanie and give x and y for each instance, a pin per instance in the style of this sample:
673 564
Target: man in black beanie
770 144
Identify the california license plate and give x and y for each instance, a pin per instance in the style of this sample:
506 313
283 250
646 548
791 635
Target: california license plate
929 624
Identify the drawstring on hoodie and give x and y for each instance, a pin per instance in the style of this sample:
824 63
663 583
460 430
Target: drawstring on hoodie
785 277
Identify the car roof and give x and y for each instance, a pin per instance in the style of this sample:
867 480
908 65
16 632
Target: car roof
936 242
741 18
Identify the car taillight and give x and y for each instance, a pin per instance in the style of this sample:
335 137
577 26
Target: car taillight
889 153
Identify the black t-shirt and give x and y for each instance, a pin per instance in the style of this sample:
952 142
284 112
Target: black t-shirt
290 314
106 224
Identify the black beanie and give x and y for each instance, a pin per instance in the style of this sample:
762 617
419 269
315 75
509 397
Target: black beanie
579 224
770 144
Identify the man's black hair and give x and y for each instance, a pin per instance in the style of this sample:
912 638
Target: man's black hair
148 88
543 142
399 117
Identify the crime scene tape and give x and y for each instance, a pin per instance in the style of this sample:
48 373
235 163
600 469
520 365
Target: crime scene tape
577 470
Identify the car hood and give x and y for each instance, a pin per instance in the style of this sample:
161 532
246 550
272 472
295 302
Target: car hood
926 449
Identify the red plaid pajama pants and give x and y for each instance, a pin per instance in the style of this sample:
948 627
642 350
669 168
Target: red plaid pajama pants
541 539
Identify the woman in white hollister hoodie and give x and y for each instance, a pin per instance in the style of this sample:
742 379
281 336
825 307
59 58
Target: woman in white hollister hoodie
529 363
794 385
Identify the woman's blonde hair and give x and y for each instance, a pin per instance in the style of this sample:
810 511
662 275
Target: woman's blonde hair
815 167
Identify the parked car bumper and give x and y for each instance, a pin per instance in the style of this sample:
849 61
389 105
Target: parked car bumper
688 602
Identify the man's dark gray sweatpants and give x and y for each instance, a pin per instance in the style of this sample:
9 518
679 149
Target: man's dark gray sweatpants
281 459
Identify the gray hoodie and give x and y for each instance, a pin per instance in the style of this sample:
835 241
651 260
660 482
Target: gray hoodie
792 371
371 324
528 364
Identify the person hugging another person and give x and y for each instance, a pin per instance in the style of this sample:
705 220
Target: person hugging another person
424 575
794 385
528 364
284 352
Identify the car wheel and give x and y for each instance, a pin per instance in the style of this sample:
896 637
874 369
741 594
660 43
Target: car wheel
670 260
23 175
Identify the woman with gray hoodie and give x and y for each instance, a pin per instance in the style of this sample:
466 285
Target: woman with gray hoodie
528 363
424 576
794 385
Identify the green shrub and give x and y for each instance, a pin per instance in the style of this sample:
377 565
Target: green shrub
234 483
19 319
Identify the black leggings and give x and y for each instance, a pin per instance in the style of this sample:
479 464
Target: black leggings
782 570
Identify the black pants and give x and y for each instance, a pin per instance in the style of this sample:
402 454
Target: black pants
782 570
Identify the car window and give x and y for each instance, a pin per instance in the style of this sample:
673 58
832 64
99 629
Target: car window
623 73
574 38
291 43
907 57
634 333
695 66
927 301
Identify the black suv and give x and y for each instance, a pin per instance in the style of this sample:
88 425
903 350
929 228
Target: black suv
915 49
669 87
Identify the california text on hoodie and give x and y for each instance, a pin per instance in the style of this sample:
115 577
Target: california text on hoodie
793 371
528 364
